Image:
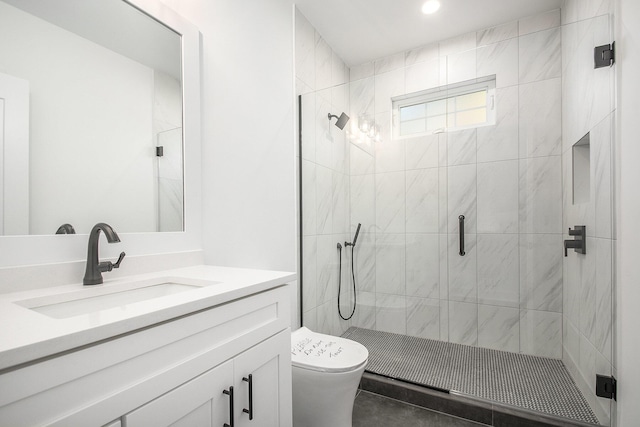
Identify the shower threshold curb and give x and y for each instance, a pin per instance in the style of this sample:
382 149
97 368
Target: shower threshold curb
462 406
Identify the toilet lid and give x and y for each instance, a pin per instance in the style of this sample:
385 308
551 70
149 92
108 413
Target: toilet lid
325 353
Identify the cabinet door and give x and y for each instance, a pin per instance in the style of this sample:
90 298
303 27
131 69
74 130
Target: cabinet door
197 403
269 364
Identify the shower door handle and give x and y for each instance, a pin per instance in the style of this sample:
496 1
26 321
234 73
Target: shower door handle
461 230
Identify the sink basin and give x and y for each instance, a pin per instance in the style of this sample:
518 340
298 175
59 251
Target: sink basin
91 300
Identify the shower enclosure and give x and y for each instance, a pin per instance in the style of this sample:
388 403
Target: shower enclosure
504 189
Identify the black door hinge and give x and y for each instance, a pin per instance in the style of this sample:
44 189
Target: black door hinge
606 387
159 151
604 56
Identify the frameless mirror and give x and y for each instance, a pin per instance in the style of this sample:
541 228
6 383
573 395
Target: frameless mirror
91 118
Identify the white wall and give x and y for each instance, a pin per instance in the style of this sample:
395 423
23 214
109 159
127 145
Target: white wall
628 130
247 141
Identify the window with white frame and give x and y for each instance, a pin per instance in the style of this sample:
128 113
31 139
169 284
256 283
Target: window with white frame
453 107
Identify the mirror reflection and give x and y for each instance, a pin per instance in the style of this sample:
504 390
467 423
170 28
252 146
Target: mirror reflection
90 118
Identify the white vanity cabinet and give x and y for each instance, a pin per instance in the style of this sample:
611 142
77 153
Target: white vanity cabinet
206 400
171 373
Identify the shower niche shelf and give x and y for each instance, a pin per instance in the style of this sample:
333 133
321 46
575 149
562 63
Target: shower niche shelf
581 156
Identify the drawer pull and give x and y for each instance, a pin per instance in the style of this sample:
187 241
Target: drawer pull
230 393
250 410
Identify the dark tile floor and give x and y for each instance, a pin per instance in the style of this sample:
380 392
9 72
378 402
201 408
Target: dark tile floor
372 410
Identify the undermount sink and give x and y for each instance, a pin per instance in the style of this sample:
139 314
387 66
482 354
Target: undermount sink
91 300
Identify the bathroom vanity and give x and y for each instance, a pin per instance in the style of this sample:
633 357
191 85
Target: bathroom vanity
191 346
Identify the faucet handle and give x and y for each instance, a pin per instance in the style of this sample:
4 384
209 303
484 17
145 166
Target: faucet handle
108 265
120 258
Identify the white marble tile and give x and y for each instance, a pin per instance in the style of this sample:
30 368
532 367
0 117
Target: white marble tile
444 266
365 315
390 156
463 282
389 63
327 268
422 75
391 313
444 320
309 127
309 208
540 190
587 9
600 143
540 118
388 85
339 155
423 318
498 272
499 328
461 147
324 200
462 197
500 59
535 61
541 333
461 66
571 278
443 204
305 50
327 315
323 61
422 200
395 162
423 265
541 272
588 293
497 205
421 152
309 273
361 71
390 264
501 141
340 202
540 22
604 297
603 78
570 341
362 97
361 162
363 199
497 34
365 256
569 11
458 44
310 319
324 132
463 323
421 54
390 202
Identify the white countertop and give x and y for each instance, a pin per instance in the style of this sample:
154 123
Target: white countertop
27 335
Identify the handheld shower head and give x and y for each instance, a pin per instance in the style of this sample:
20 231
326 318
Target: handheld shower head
355 238
342 120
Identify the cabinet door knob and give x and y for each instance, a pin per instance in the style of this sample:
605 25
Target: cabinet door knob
230 394
250 410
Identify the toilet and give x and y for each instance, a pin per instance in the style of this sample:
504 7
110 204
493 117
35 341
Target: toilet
326 374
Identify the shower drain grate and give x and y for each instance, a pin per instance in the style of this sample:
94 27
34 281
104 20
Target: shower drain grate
531 382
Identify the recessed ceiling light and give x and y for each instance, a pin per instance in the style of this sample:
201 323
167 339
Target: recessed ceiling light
430 7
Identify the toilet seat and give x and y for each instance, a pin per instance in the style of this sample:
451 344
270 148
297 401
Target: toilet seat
326 353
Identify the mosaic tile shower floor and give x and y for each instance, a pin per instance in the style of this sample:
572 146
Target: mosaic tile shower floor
513 379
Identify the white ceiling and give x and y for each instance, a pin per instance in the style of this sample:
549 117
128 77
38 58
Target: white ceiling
360 31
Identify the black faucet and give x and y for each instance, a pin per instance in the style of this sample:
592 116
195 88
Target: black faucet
93 273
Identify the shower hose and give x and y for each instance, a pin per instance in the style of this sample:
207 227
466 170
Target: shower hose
353 276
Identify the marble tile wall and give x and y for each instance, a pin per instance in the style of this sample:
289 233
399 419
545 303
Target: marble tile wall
506 292
322 80
589 282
